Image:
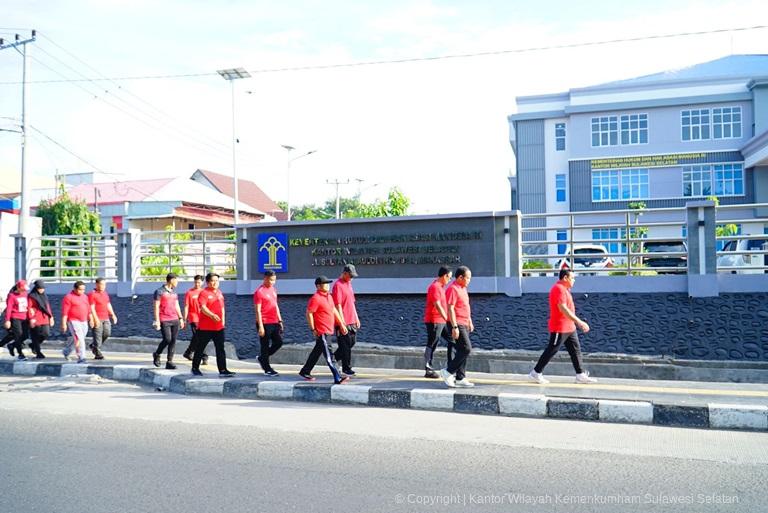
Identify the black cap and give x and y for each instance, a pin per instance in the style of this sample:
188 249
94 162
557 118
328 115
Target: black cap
322 279
349 268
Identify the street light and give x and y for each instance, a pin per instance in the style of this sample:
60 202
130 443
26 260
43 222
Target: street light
289 149
233 74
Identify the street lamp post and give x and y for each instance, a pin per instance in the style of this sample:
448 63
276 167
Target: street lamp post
289 149
233 74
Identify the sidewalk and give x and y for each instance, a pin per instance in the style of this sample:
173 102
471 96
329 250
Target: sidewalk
666 403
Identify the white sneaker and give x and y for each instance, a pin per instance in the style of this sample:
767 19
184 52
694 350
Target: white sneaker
584 378
448 378
537 377
464 383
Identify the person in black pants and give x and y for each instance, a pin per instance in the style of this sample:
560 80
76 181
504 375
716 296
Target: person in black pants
269 321
211 327
168 319
460 319
16 318
40 318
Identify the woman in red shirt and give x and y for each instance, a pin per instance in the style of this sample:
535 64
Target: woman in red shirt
16 317
40 317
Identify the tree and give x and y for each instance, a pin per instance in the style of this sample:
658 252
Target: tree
723 230
396 204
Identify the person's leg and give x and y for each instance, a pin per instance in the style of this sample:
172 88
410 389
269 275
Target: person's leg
80 335
555 341
433 338
202 337
574 351
165 332
463 347
352 334
329 359
20 332
314 355
221 355
106 332
96 335
264 349
343 351
173 332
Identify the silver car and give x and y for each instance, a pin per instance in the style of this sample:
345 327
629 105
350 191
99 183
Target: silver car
745 263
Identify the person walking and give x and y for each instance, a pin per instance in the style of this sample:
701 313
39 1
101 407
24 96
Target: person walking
192 317
76 316
168 320
460 319
344 300
16 318
562 329
435 318
40 318
269 321
321 317
211 327
102 312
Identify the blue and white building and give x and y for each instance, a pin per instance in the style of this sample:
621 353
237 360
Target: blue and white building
663 139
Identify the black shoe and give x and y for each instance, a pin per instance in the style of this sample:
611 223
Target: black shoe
226 374
170 366
188 354
22 358
97 353
156 359
204 360
348 372
39 356
197 372
431 374
307 376
272 373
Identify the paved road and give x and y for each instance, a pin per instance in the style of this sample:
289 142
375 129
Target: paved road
86 445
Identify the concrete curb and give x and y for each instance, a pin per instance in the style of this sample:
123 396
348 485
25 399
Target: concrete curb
712 416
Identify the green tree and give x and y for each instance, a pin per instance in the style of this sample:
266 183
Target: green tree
396 204
723 230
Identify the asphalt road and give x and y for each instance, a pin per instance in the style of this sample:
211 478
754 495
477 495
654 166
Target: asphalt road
86 445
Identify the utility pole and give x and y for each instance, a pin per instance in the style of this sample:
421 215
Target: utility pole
337 182
25 184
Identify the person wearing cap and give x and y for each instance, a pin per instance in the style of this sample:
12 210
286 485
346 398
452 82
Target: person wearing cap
321 317
76 316
211 327
269 321
344 301
435 318
40 317
101 309
168 319
16 317
192 316
460 319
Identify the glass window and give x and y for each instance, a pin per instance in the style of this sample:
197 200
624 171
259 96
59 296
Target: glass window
695 124
624 184
605 131
560 188
559 136
562 248
729 179
697 181
605 236
726 122
634 129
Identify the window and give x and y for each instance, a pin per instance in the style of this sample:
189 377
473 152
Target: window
624 184
562 235
718 179
634 129
560 188
726 123
605 131
559 136
695 124
685 231
603 234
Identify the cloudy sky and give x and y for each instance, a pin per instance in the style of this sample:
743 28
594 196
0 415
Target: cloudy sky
437 128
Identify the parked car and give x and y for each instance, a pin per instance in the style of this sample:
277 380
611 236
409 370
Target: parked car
666 246
595 258
746 263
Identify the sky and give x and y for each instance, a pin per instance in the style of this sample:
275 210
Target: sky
436 129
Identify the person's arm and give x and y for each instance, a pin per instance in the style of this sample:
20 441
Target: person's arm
31 313
259 320
439 306
156 322
186 307
205 311
340 320
9 306
337 297
280 319
223 316
64 314
572 316
311 322
112 313
178 312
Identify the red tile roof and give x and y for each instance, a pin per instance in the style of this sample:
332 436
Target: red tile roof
118 192
248 192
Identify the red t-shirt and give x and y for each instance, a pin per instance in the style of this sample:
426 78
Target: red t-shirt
213 300
16 306
435 294
168 300
458 296
267 298
321 307
100 300
558 322
37 314
343 295
75 307
191 304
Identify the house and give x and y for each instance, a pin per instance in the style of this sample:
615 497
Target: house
247 191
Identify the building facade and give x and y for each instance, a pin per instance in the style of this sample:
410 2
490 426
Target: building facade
664 140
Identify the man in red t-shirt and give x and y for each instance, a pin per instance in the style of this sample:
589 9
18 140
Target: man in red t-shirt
101 309
562 329
192 316
168 319
435 318
321 317
460 318
211 327
344 300
76 316
269 322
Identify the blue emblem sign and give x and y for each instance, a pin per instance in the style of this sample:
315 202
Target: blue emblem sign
273 252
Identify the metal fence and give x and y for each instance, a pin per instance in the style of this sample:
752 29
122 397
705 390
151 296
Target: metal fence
742 253
69 258
186 253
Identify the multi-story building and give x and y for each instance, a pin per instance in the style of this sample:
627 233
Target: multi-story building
663 139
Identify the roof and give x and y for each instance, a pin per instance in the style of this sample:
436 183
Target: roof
248 192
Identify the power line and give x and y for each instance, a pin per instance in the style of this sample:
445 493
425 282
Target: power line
78 157
424 59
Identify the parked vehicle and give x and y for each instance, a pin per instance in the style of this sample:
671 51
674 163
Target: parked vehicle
746 263
587 257
661 260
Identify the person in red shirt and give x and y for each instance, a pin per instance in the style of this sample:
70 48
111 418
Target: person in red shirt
269 322
168 319
344 300
192 316
101 310
562 329
16 318
40 317
211 327
435 318
460 318
321 317
76 316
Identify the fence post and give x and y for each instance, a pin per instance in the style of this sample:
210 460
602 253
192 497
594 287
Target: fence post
128 259
702 249
241 260
20 256
512 284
